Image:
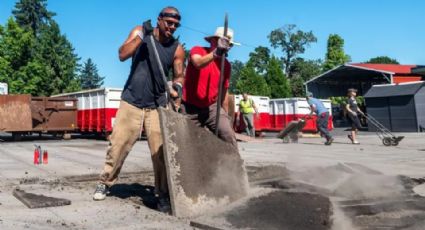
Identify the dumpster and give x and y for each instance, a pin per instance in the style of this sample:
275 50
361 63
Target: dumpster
97 109
15 113
53 114
24 114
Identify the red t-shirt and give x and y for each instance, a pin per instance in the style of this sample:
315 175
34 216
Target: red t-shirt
201 85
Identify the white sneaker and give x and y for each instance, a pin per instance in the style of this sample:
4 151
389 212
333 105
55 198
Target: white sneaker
100 192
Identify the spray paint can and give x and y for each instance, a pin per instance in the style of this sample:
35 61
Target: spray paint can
45 157
36 155
40 155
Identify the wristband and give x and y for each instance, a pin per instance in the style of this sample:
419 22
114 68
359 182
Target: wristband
177 86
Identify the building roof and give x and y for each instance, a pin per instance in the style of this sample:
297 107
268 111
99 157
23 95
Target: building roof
356 70
394 68
419 70
392 90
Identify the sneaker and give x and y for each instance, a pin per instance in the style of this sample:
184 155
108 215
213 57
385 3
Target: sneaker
356 142
100 192
329 141
164 205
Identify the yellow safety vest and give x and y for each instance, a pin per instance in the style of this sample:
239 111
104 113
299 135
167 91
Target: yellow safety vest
246 106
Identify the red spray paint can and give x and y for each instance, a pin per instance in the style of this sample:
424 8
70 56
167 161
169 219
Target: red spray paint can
36 156
45 157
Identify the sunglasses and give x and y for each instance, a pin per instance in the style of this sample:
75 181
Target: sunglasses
170 24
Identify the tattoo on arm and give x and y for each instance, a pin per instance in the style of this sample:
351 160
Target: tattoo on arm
178 71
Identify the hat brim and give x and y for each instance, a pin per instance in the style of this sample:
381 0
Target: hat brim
208 39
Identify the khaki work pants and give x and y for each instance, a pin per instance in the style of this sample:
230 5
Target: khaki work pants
125 133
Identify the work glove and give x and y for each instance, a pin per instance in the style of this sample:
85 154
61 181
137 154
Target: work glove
147 28
223 46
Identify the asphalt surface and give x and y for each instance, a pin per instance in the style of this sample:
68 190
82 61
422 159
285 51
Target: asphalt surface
74 165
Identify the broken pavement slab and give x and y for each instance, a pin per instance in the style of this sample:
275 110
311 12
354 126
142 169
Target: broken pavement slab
32 200
203 171
276 209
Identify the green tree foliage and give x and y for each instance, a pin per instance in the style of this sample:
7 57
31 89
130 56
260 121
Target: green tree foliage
89 77
335 54
16 62
306 69
32 14
276 79
302 71
382 60
35 57
259 59
292 43
252 83
58 54
237 67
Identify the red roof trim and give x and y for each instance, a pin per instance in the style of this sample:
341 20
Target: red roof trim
397 69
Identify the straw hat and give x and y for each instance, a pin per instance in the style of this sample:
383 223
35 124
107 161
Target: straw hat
219 32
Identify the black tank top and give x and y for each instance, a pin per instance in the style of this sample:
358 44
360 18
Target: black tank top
145 87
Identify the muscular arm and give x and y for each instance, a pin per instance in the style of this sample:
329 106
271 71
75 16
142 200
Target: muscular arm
178 65
200 61
131 44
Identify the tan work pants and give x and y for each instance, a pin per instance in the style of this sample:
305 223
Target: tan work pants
125 133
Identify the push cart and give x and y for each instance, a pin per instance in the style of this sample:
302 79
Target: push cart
387 137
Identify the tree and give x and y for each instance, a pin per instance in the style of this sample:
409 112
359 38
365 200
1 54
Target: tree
252 83
382 60
17 67
89 77
335 55
306 69
291 42
259 59
58 54
276 79
237 67
302 71
32 14
46 55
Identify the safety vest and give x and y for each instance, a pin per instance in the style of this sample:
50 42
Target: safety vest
246 106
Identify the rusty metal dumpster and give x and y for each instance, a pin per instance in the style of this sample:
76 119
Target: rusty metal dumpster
21 114
53 114
15 113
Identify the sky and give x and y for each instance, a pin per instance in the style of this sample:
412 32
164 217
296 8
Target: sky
97 28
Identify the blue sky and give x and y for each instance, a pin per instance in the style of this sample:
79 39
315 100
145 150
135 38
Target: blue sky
97 28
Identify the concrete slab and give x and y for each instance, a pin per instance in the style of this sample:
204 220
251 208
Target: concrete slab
203 171
32 200
274 210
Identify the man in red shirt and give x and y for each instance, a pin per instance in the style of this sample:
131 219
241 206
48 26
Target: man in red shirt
201 85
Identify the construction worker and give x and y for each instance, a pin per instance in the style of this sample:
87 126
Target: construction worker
201 86
317 106
143 93
353 112
247 107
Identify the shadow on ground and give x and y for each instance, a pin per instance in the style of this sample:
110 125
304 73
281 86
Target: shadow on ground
138 193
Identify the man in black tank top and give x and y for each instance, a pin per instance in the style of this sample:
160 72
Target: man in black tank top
143 93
